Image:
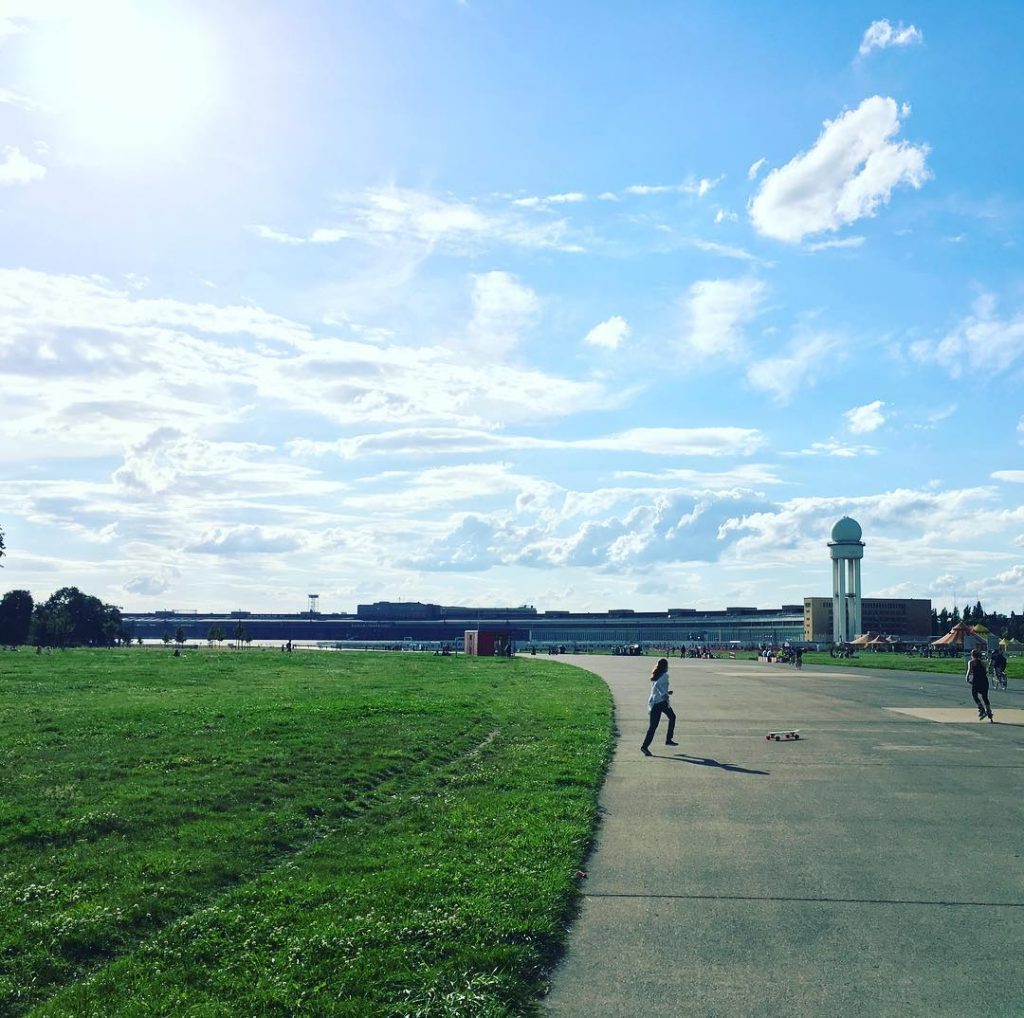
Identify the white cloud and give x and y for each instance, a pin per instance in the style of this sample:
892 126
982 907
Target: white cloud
503 308
745 475
245 539
17 168
881 35
717 311
9 27
726 216
1010 476
268 233
404 214
12 98
1001 339
783 376
153 583
609 334
418 442
755 168
840 243
569 198
844 450
86 368
862 420
607 196
689 186
849 171
725 250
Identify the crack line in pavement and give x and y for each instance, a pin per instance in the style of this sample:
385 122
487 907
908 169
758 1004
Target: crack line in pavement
827 901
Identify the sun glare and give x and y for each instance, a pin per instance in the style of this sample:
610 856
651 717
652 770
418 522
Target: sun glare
130 75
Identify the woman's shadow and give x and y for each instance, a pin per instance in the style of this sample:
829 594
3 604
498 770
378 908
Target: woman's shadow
707 761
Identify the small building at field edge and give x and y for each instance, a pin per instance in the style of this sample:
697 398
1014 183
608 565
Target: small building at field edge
486 643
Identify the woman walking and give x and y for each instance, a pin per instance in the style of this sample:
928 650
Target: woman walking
978 678
657 704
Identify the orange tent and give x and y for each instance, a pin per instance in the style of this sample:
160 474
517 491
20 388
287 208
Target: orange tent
961 635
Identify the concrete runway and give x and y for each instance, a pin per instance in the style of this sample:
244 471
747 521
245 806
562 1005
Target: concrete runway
875 867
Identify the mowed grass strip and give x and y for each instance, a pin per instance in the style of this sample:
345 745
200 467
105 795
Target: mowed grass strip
260 833
911 663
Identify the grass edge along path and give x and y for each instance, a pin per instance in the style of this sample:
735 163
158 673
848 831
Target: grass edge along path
449 895
907 663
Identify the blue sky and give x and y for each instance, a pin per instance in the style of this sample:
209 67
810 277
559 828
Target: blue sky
583 306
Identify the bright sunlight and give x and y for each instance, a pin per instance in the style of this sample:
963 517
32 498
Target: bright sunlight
128 75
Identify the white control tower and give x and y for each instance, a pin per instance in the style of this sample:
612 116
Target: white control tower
847 549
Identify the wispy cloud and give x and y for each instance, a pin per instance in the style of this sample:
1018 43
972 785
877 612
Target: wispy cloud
842 243
569 198
850 170
717 310
725 250
881 35
503 308
398 215
10 97
690 186
723 441
17 168
1001 338
755 168
84 367
268 233
806 357
833 447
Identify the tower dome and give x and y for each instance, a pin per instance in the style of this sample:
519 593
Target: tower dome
846 529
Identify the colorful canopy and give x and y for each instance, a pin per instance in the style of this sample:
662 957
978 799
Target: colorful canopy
961 635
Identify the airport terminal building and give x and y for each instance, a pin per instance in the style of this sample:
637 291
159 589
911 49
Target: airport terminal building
391 622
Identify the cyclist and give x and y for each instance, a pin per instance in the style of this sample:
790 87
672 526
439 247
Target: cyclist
998 662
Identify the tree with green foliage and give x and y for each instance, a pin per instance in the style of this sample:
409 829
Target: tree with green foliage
1 545
968 614
241 636
71 618
15 617
216 634
179 636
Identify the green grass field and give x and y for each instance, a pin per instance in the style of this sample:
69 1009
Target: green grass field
254 833
912 663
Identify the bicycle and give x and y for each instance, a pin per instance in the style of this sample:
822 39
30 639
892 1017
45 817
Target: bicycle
999 674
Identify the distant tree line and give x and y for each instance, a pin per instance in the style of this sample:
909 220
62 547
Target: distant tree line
68 618
1009 627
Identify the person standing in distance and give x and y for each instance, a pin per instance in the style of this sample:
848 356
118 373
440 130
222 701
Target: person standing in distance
657 704
978 678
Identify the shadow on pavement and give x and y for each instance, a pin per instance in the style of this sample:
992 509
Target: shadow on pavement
707 761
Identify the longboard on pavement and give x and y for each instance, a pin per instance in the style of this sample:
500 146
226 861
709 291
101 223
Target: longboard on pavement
791 735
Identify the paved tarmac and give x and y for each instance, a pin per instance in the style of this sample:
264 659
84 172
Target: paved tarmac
874 867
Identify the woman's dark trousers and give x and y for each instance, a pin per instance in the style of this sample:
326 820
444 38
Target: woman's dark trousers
980 694
656 711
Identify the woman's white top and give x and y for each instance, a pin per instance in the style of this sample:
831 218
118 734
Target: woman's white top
659 690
